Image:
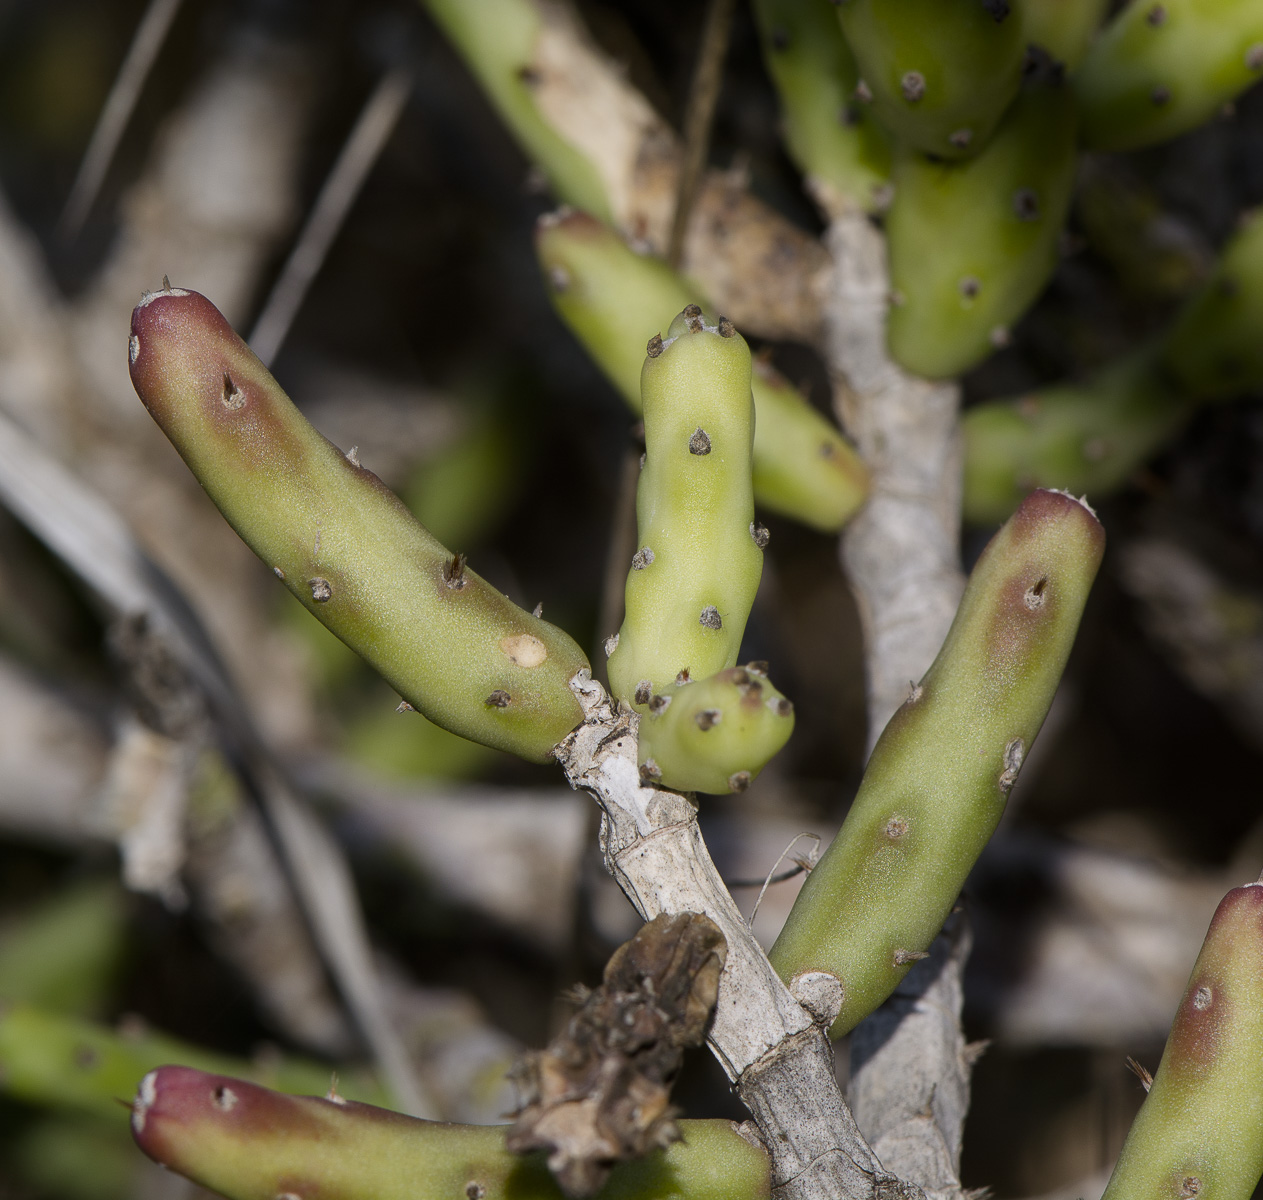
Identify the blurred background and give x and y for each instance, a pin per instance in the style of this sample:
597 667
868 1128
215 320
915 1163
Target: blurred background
156 862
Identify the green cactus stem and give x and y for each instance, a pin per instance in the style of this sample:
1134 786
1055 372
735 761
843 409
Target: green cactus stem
829 130
63 1063
714 735
498 41
1199 1132
692 580
248 1143
956 297
1214 349
614 300
940 73
448 642
1063 28
1162 67
940 774
1090 437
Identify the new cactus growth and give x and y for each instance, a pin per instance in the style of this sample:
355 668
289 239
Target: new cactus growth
248 1143
453 646
828 130
1163 66
939 776
614 301
957 296
940 72
1214 348
693 577
1088 437
1200 1129
716 734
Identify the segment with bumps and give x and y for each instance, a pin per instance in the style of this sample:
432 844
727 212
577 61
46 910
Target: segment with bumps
716 734
453 646
1199 1132
248 1143
1089 437
940 73
693 578
936 784
614 300
829 131
1162 67
1214 348
957 294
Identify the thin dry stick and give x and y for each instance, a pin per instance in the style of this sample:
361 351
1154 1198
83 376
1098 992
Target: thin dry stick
365 143
119 105
703 96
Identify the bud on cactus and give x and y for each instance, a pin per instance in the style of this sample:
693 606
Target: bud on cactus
1088 437
614 300
829 130
693 579
940 72
1063 28
1005 209
1199 1132
938 778
716 734
453 646
248 1143
1164 66
1215 349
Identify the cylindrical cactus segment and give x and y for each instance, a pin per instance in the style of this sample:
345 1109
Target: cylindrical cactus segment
938 778
1089 437
940 73
1063 28
453 646
248 1143
829 130
1162 67
1214 348
956 297
693 577
1199 1132
614 300
498 40
714 735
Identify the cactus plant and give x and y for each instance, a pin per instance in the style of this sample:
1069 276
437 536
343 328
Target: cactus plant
1200 1129
700 554
956 298
939 74
716 734
344 545
249 1143
1159 69
936 784
614 300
